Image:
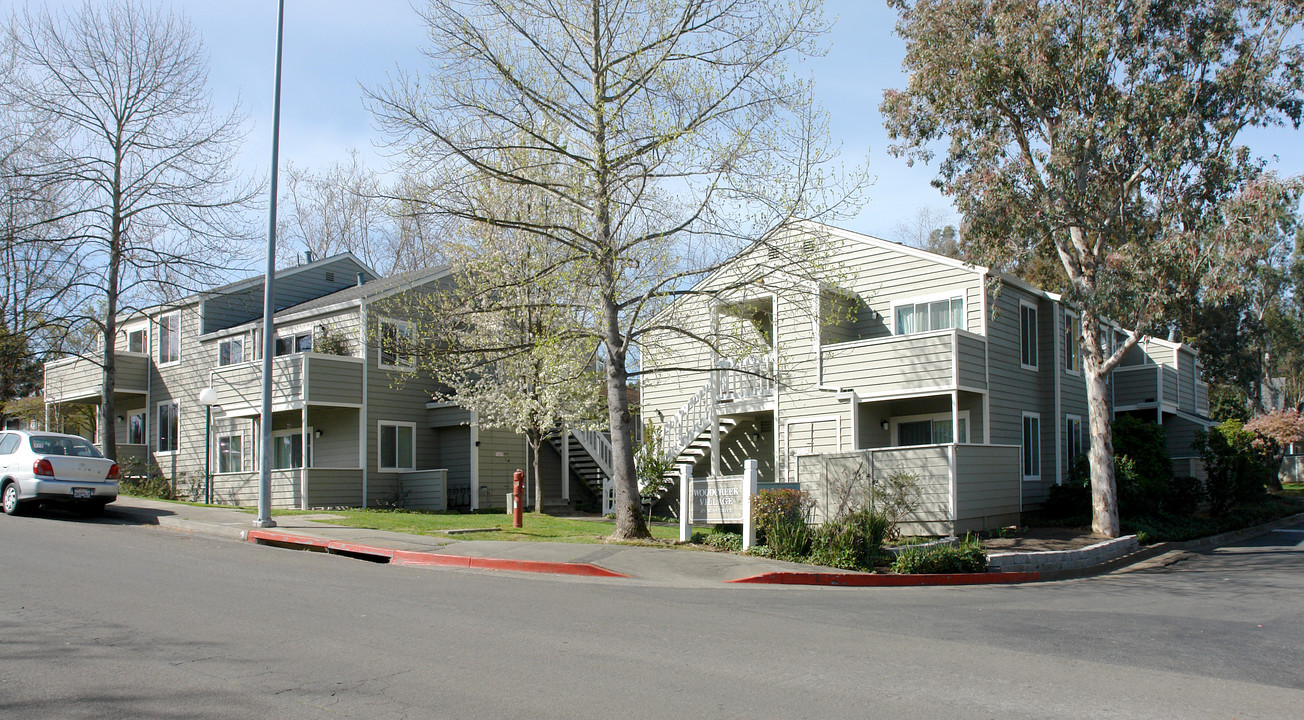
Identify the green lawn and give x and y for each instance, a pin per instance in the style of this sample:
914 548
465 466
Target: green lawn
1295 490
538 528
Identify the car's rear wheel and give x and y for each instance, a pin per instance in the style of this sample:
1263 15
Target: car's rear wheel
12 506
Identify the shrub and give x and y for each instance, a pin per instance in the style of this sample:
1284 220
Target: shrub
1239 464
854 542
896 497
771 507
1070 499
1143 469
724 541
965 557
790 538
328 342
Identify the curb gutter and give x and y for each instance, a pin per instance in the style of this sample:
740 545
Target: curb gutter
412 557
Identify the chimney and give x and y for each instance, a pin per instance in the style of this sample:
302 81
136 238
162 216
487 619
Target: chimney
307 257
360 280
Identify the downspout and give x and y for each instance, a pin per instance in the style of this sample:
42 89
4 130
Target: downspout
475 460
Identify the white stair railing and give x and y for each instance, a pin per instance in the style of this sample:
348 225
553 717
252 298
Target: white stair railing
598 446
680 431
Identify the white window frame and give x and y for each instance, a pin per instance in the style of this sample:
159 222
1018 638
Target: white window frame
229 342
954 295
895 421
1023 446
144 338
402 327
217 451
144 427
1025 305
293 336
1072 348
162 337
1072 423
308 452
380 452
160 429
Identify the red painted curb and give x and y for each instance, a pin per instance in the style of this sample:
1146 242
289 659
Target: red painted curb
413 557
872 580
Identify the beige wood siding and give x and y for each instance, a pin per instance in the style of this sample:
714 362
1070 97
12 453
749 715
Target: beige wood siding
987 490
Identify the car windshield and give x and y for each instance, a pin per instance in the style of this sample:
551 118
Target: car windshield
73 446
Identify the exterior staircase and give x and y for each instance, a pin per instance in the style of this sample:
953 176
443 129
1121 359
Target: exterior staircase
589 453
686 437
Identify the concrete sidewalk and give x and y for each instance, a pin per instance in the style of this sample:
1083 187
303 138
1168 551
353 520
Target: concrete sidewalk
624 563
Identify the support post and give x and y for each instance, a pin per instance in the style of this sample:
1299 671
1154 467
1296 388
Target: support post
751 469
685 503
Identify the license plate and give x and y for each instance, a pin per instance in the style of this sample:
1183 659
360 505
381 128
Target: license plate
83 493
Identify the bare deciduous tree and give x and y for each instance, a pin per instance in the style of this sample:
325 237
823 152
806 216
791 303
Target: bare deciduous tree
667 134
143 163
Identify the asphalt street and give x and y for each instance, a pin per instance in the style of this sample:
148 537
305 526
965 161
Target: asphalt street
113 620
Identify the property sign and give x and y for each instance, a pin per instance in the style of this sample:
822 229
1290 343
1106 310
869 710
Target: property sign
719 500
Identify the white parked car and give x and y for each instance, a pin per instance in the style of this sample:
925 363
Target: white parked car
40 467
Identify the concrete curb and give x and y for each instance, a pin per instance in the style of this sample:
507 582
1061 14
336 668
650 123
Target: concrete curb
412 557
875 580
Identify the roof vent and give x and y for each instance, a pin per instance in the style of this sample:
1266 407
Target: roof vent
307 257
361 281
330 276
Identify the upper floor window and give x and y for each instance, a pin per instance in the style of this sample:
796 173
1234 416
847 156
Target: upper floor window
395 341
923 316
296 343
136 340
230 352
169 338
1072 348
1028 336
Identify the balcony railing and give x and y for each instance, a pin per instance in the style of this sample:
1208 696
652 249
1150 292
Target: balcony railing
950 359
80 379
748 378
296 379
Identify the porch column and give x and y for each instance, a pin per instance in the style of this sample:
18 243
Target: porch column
955 417
306 441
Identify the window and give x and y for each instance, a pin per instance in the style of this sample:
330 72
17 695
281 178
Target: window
1073 435
169 338
1031 446
397 446
136 340
395 337
168 413
230 352
136 428
297 343
929 429
1028 336
288 449
1072 348
917 317
9 443
230 453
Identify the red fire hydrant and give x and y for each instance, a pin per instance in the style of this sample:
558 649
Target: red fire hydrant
518 498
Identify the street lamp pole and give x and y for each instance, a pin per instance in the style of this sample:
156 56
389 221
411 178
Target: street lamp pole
269 333
208 398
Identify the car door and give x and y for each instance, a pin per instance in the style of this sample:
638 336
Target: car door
8 442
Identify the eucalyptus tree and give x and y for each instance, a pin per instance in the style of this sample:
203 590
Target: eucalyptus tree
666 135
1104 135
143 162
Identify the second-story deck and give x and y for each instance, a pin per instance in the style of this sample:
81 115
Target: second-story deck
1159 386
901 364
82 379
297 380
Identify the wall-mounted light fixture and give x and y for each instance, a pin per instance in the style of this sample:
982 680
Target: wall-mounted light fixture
316 433
883 425
122 419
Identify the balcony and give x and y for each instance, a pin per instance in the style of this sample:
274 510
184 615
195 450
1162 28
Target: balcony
297 380
906 364
1150 386
80 379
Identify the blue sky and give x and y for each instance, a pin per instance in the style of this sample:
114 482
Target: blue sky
334 47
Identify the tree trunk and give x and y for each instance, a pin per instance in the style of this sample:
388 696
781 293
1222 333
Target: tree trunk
108 408
535 439
1104 494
